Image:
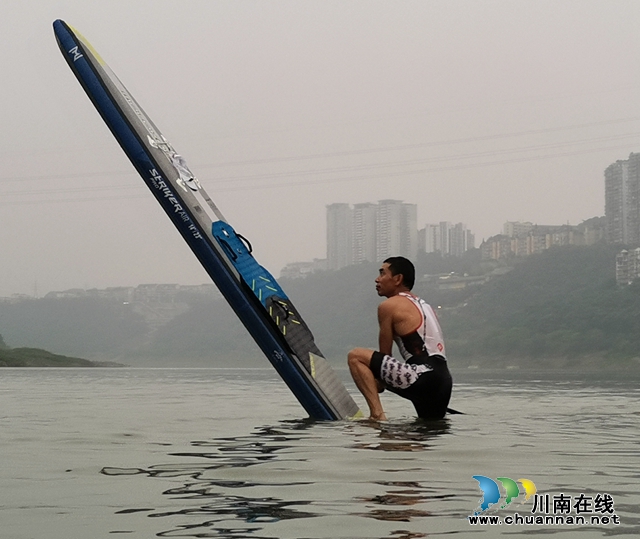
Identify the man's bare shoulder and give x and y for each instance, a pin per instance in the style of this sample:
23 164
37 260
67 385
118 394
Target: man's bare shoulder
392 304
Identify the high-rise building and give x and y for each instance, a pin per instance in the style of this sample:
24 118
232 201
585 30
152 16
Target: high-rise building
396 229
429 238
388 228
364 232
409 234
446 238
370 232
622 201
444 228
460 240
339 235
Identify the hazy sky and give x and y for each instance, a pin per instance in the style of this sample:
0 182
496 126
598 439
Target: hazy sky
477 111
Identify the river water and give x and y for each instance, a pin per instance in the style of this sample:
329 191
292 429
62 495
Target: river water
140 453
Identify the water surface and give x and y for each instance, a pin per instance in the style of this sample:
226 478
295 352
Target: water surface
91 453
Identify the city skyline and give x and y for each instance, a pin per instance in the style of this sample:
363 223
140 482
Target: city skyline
372 232
477 112
516 238
510 229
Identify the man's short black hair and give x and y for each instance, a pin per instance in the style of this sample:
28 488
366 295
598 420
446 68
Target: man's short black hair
403 266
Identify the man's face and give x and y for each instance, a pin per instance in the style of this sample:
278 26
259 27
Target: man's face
386 282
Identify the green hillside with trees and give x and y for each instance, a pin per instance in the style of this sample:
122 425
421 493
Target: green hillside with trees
560 308
35 357
88 327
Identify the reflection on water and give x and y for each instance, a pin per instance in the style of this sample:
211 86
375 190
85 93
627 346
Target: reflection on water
408 436
296 479
233 487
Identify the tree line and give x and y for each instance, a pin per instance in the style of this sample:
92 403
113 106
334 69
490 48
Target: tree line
559 306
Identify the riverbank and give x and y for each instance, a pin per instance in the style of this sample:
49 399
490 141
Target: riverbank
35 357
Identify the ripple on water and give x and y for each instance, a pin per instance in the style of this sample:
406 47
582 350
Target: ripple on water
305 471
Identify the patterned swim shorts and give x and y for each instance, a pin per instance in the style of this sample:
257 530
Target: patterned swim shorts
426 382
398 374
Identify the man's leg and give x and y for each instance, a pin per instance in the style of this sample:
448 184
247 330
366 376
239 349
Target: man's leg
359 360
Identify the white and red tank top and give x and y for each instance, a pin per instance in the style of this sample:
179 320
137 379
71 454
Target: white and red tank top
426 338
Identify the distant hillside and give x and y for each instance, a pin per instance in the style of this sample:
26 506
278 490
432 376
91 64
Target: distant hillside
94 328
561 304
34 357
558 308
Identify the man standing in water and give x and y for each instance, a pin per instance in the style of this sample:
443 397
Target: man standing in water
423 377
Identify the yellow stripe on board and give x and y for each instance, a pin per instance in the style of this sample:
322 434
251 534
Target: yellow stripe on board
88 45
313 366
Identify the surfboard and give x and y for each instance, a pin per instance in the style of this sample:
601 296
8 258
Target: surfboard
253 293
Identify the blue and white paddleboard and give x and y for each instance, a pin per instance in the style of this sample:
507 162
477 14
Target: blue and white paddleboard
250 289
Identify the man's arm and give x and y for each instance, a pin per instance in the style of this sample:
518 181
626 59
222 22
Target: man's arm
385 321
